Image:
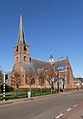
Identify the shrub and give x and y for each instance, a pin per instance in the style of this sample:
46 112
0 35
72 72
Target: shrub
7 88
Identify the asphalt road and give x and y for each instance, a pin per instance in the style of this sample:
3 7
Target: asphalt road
42 108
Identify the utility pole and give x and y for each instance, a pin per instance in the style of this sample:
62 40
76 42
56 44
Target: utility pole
58 85
58 80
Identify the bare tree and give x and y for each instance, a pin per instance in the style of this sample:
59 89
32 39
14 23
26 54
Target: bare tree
30 80
41 75
50 76
16 81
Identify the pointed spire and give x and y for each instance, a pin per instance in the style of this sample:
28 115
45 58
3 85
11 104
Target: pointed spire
51 54
21 38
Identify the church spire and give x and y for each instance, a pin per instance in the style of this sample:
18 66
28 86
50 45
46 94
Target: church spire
51 54
21 37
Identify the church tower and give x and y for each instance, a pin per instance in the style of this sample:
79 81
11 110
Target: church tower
51 59
22 50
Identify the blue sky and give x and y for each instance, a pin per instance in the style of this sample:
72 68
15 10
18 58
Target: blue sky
48 24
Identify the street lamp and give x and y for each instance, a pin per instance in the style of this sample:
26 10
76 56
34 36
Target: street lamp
58 74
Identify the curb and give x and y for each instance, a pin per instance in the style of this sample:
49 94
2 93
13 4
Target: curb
4 102
24 99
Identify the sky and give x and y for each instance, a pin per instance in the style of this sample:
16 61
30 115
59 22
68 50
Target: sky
48 24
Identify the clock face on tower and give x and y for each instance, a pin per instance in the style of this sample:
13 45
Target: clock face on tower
51 60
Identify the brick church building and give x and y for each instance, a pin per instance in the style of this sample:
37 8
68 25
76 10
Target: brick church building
28 72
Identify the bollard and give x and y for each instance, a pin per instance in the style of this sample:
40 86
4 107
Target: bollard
29 94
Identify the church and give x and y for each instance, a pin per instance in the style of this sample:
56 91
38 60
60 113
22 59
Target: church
28 72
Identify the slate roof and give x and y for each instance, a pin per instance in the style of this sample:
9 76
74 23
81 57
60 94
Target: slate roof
28 68
35 64
60 63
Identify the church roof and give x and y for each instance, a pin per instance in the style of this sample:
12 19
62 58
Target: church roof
39 64
60 63
28 68
31 68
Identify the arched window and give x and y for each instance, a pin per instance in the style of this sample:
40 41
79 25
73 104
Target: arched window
24 58
17 49
25 48
16 58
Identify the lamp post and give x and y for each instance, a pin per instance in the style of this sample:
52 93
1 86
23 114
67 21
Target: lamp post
58 80
58 85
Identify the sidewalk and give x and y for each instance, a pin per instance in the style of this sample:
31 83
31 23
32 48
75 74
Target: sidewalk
31 98
24 99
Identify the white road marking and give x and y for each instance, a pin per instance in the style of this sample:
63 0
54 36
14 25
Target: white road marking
59 116
69 109
75 105
65 111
